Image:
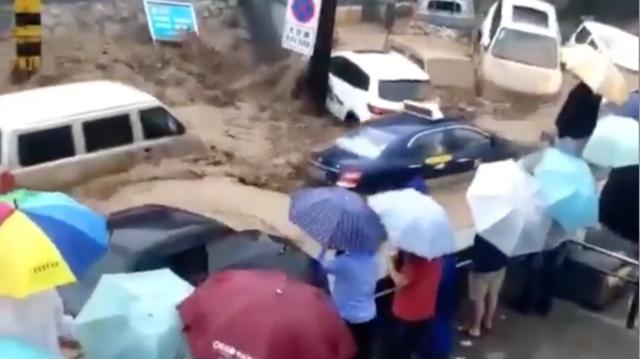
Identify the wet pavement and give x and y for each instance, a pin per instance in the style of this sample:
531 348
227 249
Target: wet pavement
569 332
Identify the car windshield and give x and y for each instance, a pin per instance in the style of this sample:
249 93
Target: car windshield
526 48
400 90
365 142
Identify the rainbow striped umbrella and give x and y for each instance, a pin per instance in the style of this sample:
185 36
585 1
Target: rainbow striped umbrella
47 239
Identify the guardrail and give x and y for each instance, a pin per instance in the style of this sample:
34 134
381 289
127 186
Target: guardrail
633 308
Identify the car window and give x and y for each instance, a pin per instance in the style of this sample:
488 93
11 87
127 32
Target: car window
337 67
355 76
45 145
425 146
158 123
400 90
366 142
107 133
462 138
445 6
582 36
526 48
495 21
530 16
593 44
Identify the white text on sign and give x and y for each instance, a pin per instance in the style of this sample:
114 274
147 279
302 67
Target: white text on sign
299 39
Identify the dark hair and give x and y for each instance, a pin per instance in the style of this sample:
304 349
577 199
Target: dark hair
340 252
402 258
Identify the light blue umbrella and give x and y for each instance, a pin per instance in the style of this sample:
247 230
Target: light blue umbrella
415 222
12 348
568 189
133 315
614 142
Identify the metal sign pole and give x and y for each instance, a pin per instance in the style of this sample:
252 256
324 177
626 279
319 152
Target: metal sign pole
28 36
318 74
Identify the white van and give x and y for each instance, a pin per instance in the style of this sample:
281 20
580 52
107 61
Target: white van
520 47
55 137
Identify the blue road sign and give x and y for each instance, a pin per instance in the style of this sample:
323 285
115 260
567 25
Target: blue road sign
303 10
169 20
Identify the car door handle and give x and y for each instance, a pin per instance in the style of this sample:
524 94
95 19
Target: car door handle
463 160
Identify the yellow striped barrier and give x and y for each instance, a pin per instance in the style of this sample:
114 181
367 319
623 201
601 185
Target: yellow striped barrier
28 35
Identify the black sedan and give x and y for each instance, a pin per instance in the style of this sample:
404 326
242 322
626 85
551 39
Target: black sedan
389 152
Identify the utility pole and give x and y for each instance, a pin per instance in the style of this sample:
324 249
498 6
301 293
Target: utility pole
28 36
318 71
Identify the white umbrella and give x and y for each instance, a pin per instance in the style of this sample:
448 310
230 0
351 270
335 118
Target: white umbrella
415 223
506 208
597 71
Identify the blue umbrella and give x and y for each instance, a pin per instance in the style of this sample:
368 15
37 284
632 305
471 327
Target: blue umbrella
568 189
11 348
337 218
415 223
133 315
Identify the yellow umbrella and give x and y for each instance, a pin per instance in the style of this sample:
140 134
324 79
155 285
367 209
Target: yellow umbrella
597 71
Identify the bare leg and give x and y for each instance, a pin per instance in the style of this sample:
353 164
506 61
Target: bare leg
492 304
478 314
493 295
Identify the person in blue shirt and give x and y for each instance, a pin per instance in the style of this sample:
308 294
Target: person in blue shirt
353 290
438 343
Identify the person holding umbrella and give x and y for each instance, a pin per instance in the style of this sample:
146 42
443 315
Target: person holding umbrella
488 269
341 220
262 314
599 78
510 220
55 240
419 229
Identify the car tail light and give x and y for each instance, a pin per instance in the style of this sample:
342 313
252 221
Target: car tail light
349 179
379 111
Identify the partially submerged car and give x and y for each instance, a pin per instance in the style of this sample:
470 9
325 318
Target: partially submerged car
520 47
389 152
146 238
455 14
57 136
370 83
618 45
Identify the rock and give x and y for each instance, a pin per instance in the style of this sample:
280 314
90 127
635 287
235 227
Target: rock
103 62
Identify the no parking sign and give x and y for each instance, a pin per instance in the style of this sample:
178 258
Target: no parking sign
301 25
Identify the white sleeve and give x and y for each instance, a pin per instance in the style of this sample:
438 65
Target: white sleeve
64 322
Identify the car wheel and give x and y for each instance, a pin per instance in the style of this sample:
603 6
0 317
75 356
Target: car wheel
351 119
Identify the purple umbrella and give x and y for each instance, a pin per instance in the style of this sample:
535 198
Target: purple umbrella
337 218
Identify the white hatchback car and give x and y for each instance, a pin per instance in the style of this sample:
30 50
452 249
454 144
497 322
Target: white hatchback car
371 83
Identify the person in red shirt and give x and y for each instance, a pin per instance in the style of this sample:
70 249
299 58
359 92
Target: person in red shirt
414 302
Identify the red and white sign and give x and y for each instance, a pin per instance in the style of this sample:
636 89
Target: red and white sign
301 26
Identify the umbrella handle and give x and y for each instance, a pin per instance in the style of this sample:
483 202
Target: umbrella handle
385 292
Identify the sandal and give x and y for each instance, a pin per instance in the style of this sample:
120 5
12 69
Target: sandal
468 334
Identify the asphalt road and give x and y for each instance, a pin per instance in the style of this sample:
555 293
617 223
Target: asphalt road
569 332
